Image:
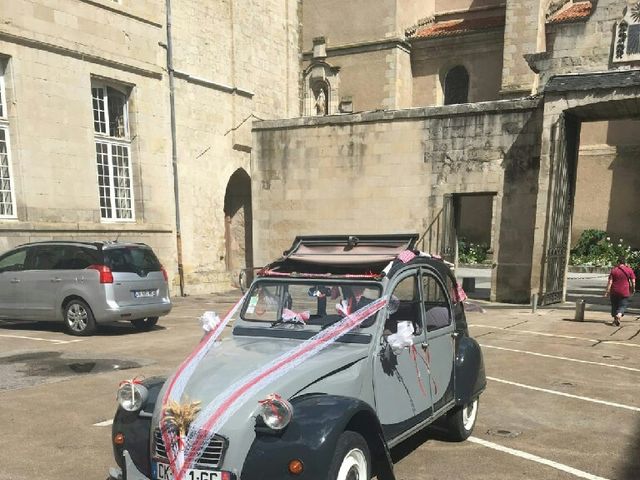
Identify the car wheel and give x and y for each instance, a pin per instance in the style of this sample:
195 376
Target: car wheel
351 460
461 421
78 318
144 324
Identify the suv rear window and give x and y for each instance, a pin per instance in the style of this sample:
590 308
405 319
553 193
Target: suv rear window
132 259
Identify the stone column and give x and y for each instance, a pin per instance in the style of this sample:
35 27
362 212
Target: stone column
523 34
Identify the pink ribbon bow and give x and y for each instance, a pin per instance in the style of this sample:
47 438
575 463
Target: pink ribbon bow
295 317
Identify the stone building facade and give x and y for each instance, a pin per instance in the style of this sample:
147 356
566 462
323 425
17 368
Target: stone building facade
526 105
511 121
86 142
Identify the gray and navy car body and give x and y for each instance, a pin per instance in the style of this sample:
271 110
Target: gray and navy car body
353 401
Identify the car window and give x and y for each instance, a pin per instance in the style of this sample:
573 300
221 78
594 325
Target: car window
319 303
76 258
405 305
14 261
436 303
132 259
452 288
47 257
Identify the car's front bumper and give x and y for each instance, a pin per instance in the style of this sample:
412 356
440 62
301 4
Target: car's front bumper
131 471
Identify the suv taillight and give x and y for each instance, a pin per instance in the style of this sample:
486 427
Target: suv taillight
105 273
164 274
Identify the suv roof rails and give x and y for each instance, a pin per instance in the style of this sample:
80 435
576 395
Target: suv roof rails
98 244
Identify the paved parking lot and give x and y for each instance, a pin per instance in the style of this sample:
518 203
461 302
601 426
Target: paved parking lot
562 400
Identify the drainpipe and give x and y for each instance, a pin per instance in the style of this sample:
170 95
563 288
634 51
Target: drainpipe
174 147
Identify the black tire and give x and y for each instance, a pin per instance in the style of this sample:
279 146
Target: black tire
461 420
351 459
78 318
144 324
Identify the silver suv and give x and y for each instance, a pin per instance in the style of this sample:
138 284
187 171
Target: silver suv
84 284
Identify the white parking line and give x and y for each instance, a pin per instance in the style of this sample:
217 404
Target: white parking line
563 394
106 423
591 340
531 332
535 458
556 357
37 339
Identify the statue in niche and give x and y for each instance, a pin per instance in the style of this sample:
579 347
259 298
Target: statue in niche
321 103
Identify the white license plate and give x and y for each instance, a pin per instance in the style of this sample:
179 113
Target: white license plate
144 293
162 471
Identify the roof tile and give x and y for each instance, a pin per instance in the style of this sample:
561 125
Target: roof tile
451 28
574 13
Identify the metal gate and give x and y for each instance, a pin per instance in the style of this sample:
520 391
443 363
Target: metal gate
449 248
440 237
564 138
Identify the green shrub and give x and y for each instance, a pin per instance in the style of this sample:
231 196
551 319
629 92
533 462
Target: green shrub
595 248
472 253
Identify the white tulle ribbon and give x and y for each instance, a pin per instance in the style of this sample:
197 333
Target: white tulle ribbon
220 409
209 321
402 339
182 375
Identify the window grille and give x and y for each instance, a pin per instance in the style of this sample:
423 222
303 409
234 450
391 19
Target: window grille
113 160
7 196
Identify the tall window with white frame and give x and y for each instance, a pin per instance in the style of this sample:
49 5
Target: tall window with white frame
7 193
113 142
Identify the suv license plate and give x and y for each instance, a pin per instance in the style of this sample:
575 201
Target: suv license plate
144 293
162 471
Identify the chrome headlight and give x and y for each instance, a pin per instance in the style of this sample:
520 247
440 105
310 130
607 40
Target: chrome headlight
132 395
275 411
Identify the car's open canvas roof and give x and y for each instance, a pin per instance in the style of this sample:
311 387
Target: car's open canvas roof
342 250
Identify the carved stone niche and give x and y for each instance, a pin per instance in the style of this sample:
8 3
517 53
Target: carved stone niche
321 83
626 46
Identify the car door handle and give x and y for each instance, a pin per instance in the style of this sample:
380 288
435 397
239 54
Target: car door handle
56 279
15 280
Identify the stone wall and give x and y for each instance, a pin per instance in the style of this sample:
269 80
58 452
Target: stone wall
348 23
387 172
234 61
480 54
584 46
524 24
52 49
443 6
608 174
242 63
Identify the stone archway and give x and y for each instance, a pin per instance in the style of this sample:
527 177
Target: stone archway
238 220
569 101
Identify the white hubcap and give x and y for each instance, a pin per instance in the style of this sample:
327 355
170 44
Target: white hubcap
469 414
77 317
354 466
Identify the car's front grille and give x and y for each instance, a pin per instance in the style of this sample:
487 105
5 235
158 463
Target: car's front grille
211 457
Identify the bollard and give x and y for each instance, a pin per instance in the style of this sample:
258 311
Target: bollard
469 284
534 303
580 310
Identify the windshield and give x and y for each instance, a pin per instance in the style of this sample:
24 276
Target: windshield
299 304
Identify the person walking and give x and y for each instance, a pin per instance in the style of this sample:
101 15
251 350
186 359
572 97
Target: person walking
621 286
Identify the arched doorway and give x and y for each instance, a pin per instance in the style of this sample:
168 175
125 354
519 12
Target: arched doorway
237 221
